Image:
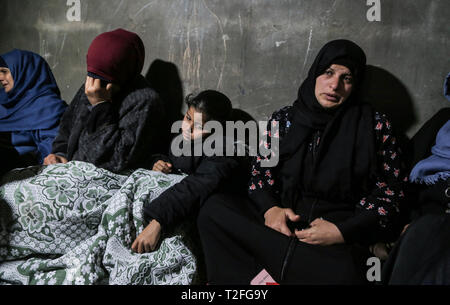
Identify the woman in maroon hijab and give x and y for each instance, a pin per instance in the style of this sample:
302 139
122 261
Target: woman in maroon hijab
115 119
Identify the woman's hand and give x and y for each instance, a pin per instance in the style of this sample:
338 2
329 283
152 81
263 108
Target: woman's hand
276 218
162 166
322 233
54 159
148 239
95 92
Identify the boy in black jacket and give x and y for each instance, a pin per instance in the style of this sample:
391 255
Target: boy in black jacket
206 174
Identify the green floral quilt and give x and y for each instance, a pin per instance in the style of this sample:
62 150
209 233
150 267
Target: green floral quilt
74 223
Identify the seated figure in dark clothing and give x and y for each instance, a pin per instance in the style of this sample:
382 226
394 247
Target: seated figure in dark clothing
335 190
422 254
115 118
206 173
30 109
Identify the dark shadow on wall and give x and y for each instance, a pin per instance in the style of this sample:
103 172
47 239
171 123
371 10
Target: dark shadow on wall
165 79
390 96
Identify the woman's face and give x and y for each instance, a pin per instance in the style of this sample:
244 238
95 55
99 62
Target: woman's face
334 86
6 79
193 125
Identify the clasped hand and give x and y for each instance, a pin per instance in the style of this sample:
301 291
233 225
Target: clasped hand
54 159
320 232
164 167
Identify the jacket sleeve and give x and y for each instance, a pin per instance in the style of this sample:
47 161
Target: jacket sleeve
377 214
188 195
44 139
123 140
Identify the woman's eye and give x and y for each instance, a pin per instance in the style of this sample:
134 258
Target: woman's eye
329 72
348 79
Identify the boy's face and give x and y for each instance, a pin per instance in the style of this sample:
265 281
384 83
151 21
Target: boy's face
193 125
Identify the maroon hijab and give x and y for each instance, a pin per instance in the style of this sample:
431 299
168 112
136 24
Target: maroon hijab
116 56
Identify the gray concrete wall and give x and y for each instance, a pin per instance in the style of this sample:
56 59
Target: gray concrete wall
255 51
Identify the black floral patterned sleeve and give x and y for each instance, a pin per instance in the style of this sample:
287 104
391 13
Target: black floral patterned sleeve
262 187
381 206
382 202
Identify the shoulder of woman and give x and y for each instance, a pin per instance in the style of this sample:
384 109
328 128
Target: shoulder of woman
282 114
142 98
382 121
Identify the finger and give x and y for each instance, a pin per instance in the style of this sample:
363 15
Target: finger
285 230
51 159
302 234
109 87
148 248
97 84
90 82
133 246
140 248
311 242
316 222
292 216
155 242
86 84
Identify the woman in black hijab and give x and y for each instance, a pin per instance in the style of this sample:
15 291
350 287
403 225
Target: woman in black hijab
334 192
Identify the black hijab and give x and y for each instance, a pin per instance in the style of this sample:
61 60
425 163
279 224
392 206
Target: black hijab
346 157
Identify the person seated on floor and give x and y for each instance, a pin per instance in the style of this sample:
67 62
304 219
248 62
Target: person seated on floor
115 118
30 109
335 190
206 173
422 254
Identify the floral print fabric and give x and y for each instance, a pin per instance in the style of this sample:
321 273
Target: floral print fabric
387 192
74 223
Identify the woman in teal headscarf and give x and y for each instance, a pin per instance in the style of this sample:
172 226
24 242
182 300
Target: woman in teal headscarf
30 109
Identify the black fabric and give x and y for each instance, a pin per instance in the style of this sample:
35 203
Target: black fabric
9 156
116 136
206 175
3 63
419 147
101 114
237 246
344 164
96 76
422 255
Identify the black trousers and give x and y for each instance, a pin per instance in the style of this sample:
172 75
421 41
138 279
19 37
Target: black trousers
237 246
10 159
422 254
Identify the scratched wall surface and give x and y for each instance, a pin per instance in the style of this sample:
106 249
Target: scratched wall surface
255 51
